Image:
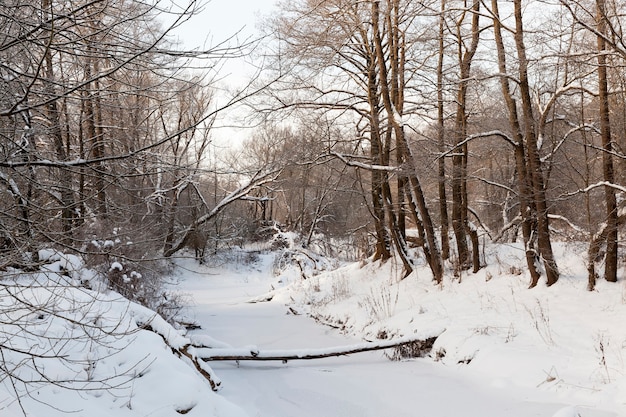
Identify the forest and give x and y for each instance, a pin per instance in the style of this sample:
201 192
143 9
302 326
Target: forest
412 131
462 122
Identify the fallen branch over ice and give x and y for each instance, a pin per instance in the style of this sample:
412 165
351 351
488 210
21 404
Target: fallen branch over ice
180 346
202 368
254 354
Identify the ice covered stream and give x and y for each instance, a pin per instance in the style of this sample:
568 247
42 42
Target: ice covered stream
360 385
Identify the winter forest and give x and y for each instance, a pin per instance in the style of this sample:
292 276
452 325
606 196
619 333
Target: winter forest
438 181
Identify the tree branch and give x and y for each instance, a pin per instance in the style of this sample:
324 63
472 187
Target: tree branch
253 354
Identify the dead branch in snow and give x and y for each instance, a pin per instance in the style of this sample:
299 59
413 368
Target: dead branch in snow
188 351
253 354
205 371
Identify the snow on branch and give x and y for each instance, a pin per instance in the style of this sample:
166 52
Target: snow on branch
369 167
515 222
496 133
574 129
598 185
258 179
566 221
425 342
601 149
14 189
493 183
180 345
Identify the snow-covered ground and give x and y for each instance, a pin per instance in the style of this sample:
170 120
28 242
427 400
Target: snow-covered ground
67 350
503 350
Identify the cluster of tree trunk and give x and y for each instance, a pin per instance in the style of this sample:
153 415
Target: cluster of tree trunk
502 118
105 130
433 125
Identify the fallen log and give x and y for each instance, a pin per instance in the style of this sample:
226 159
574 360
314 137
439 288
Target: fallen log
184 350
203 369
252 353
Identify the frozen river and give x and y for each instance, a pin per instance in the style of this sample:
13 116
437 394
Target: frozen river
360 385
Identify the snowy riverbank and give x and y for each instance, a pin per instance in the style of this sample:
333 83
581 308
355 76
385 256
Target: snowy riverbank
506 350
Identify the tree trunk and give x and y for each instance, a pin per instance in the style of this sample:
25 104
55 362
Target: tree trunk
534 162
56 133
393 116
610 268
459 159
399 239
396 64
98 144
441 172
593 253
525 198
383 244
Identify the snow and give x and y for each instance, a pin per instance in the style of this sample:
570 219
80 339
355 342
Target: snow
116 266
506 350
96 349
502 350
567 412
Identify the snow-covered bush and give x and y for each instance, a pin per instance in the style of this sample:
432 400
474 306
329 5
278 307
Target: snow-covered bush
284 240
122 267
300 263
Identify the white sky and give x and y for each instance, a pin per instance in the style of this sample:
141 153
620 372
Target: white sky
222 19
235 21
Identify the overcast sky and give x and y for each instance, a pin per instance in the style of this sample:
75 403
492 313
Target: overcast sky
221 19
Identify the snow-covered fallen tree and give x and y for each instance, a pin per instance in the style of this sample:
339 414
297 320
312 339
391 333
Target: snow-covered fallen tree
419 342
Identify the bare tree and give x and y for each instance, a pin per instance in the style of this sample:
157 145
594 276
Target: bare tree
363 47
101 125
610 268
460 222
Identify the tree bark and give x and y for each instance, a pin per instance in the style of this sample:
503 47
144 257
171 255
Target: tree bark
534 162
56 133
459 158
593 253
610 268
383 243
441 162
524 189
395 122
